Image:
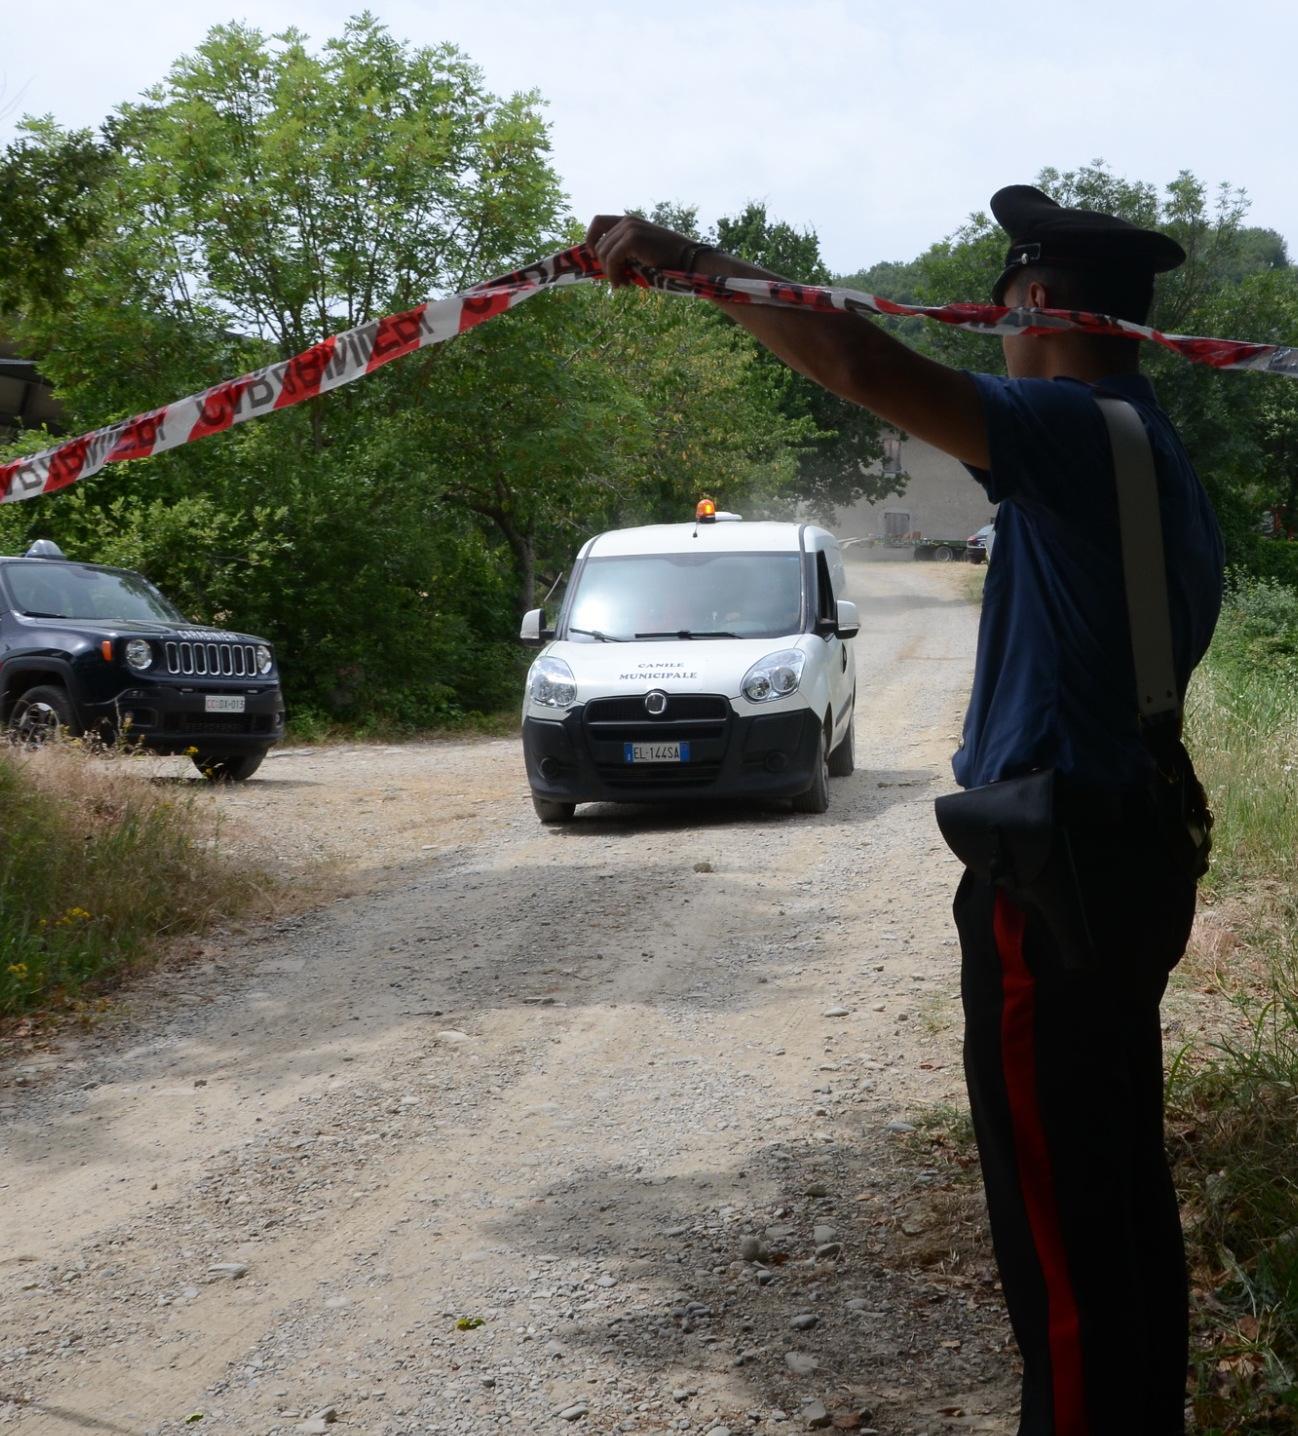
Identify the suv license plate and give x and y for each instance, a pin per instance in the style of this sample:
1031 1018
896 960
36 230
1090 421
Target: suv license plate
657 752
219 703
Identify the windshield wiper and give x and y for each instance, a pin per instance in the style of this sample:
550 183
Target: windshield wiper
690 633
595 633
32 613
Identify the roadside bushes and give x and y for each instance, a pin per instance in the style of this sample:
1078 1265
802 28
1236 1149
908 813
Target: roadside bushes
97 870
1259 628
1234 1100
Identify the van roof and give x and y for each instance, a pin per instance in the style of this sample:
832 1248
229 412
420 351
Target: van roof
723 537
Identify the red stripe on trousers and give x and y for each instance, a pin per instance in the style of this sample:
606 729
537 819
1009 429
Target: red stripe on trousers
1019 1057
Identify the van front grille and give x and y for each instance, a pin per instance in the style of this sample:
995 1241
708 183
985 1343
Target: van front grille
701 720
681 707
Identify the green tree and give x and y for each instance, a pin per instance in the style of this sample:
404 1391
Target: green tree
53 183
837 466
1236 282
265 195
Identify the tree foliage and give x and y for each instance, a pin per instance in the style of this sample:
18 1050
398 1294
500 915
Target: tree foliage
1241 432
266 194
839 467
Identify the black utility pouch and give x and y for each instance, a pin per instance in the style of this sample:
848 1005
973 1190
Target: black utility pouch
1007 833
1181 807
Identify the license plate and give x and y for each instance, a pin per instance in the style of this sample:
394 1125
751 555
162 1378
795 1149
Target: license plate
219 703
657 752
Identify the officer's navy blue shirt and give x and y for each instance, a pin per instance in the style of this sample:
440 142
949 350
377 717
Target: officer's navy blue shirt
1054 682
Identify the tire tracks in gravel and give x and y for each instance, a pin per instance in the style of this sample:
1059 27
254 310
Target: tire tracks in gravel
545 1079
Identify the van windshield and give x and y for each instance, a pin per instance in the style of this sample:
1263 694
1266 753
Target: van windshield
43 589
669 595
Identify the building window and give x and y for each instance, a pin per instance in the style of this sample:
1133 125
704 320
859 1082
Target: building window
892 455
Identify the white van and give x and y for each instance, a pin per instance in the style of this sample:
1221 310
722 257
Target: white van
705 659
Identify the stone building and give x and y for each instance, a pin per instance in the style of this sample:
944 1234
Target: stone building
940 499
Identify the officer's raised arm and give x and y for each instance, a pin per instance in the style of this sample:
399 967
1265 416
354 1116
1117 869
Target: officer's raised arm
845 353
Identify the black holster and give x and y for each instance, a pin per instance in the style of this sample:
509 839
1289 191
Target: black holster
1020 836
1180 805
1008 834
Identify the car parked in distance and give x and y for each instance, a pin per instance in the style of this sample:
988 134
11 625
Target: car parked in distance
978 546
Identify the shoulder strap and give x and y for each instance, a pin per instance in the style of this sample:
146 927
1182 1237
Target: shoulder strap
1143 563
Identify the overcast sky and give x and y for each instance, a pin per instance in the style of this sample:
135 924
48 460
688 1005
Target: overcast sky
880 123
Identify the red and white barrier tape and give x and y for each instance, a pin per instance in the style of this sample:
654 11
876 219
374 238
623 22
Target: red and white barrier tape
344 357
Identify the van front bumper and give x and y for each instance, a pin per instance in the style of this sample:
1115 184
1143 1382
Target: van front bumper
581 757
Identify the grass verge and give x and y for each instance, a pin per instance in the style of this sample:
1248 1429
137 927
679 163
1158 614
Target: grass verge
98 870
1233 1098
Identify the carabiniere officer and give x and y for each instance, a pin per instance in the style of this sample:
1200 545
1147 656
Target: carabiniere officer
1064 1067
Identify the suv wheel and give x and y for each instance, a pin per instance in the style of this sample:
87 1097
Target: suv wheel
41 715
551 812
816 798
228 768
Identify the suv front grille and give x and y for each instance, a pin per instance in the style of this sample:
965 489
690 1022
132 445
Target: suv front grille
213 660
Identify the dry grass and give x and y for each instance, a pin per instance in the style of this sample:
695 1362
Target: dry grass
99 870
974 579
1234 1094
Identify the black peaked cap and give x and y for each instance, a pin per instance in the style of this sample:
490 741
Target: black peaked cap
1043 232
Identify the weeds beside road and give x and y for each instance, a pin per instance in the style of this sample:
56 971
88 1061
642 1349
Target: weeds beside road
97 870
1234 1099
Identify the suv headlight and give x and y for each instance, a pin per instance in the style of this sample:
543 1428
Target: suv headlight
775 676
264 658
552 683
139 653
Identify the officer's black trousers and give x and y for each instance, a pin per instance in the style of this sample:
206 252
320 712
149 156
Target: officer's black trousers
1066 1085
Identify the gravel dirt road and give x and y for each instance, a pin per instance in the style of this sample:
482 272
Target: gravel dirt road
491 1141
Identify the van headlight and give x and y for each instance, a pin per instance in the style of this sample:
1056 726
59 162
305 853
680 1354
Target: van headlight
552 684
775 676
139 654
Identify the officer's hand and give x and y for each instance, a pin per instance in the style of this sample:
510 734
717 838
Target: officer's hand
619 239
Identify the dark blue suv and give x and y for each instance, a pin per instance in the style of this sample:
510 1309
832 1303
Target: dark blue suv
86 649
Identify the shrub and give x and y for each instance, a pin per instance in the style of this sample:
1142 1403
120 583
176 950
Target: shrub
1234 1101
1259 625
97 870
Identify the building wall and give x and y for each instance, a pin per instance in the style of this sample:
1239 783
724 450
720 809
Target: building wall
940 500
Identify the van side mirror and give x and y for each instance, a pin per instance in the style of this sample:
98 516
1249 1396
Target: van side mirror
849 621
533 630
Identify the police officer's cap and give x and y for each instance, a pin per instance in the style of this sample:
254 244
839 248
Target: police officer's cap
1043 232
